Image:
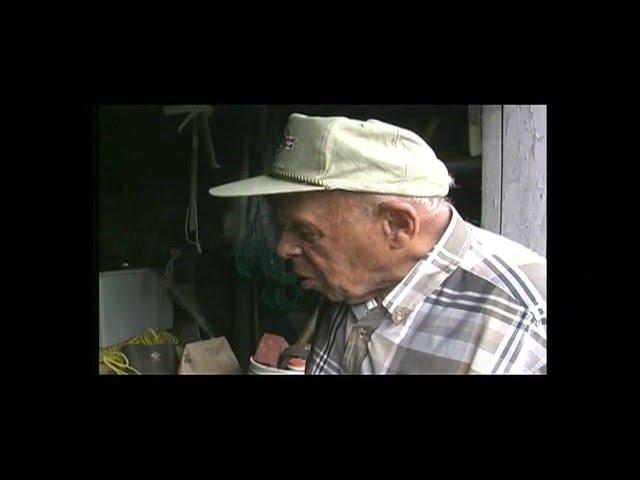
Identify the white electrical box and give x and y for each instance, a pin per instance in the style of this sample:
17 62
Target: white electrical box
131 302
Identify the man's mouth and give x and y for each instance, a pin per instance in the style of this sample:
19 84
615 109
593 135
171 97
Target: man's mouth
305 280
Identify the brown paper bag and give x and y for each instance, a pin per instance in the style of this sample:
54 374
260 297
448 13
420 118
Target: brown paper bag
213 357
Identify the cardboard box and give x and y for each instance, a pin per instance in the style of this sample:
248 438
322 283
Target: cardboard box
209 357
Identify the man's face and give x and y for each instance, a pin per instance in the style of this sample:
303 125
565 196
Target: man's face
330 250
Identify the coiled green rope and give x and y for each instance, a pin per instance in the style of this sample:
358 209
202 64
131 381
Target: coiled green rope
255 260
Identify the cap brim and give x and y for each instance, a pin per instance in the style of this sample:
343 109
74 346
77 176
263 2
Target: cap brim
263 185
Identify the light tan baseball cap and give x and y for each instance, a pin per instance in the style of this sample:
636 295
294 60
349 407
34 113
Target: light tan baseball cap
338 153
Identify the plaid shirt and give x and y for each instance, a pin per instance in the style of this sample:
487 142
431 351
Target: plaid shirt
476 303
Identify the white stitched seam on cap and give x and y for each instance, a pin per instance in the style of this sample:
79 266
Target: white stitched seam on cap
280 172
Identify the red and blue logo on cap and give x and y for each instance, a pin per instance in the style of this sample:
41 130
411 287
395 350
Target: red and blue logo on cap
288 142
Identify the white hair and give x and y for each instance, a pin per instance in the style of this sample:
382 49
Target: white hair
430 204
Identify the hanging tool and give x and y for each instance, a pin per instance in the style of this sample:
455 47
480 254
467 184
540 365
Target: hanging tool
199 114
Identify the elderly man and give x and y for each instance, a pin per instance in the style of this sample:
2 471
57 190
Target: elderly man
409 286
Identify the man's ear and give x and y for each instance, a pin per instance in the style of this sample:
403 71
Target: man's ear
400 222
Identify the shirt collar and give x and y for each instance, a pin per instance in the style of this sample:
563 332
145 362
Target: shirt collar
360 310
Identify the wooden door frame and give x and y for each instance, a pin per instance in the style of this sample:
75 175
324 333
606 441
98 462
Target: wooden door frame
514 173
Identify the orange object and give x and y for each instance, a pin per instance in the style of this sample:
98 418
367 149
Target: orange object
296 363
269 349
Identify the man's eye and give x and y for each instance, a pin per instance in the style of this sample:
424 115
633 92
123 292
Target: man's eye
309 236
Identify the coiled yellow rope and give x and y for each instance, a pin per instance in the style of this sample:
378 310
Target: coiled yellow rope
113 358
117 361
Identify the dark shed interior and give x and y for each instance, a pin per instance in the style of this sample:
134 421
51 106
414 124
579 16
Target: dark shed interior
144 169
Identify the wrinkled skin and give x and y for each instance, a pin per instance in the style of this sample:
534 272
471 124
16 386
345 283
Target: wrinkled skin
348 255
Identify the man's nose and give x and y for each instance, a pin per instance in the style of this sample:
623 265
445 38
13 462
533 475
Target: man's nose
287 248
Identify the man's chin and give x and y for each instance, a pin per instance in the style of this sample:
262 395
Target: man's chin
343 297
334 295
355 301
331 296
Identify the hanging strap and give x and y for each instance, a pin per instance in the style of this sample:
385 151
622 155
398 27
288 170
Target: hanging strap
192 209
198 114
204 123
